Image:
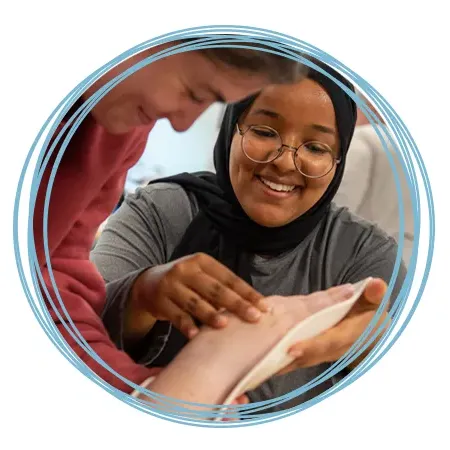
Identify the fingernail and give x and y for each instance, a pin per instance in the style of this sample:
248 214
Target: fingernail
220 321
296 353
264 306
253 313
192 332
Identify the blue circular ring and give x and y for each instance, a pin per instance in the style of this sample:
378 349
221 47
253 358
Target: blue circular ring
213 36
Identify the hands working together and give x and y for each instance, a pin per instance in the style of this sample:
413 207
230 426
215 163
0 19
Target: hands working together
199 287
223 356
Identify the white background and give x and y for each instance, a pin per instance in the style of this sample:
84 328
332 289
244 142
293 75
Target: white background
48 47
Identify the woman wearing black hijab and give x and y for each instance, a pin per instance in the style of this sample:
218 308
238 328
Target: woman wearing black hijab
265 222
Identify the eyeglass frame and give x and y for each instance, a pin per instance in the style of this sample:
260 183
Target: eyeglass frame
281 150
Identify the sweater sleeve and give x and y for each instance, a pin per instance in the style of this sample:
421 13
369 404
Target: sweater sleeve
88 184
141 234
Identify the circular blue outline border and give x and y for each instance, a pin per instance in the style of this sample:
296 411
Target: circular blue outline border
287 46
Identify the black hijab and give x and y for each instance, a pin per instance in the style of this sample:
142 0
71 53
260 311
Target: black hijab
222 229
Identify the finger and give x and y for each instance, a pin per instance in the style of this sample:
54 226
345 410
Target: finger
313 303
179 318
227 278
375 291
191 302
222 296
241 400
290 368
324 299
333 343
371 298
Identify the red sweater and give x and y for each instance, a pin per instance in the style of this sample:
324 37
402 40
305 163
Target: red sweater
88 185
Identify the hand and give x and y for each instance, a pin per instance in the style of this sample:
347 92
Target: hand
225 356
196 286
335 342
241 400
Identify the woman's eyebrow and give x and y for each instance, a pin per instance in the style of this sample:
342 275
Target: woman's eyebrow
266 112
275 115
323 128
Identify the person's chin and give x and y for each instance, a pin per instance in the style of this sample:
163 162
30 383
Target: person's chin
269 219
116 127
111 124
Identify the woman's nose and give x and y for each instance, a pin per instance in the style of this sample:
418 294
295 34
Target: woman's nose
285 162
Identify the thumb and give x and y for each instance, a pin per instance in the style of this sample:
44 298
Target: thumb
375 291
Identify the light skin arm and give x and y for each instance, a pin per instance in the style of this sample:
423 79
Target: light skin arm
226 355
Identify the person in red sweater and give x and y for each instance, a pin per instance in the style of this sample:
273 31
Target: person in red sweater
91 175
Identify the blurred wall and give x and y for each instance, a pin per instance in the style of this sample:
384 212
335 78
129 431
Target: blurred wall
168 152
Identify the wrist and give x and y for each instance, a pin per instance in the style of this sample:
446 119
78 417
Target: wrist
138 321
196 369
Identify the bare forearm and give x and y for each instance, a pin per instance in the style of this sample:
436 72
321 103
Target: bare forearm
213 362
198 363
138 320
222 357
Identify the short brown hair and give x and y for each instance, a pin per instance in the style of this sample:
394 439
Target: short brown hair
279 69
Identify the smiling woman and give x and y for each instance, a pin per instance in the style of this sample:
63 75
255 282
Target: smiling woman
279 175
184 248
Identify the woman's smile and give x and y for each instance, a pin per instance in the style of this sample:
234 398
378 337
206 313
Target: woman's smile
275 188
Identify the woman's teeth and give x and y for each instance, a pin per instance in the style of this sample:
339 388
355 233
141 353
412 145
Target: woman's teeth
277 187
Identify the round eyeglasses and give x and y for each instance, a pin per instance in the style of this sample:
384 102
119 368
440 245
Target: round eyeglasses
262 144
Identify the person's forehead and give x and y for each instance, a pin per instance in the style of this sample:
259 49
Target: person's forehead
231 84
238 89
292 100
303 91
280 108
